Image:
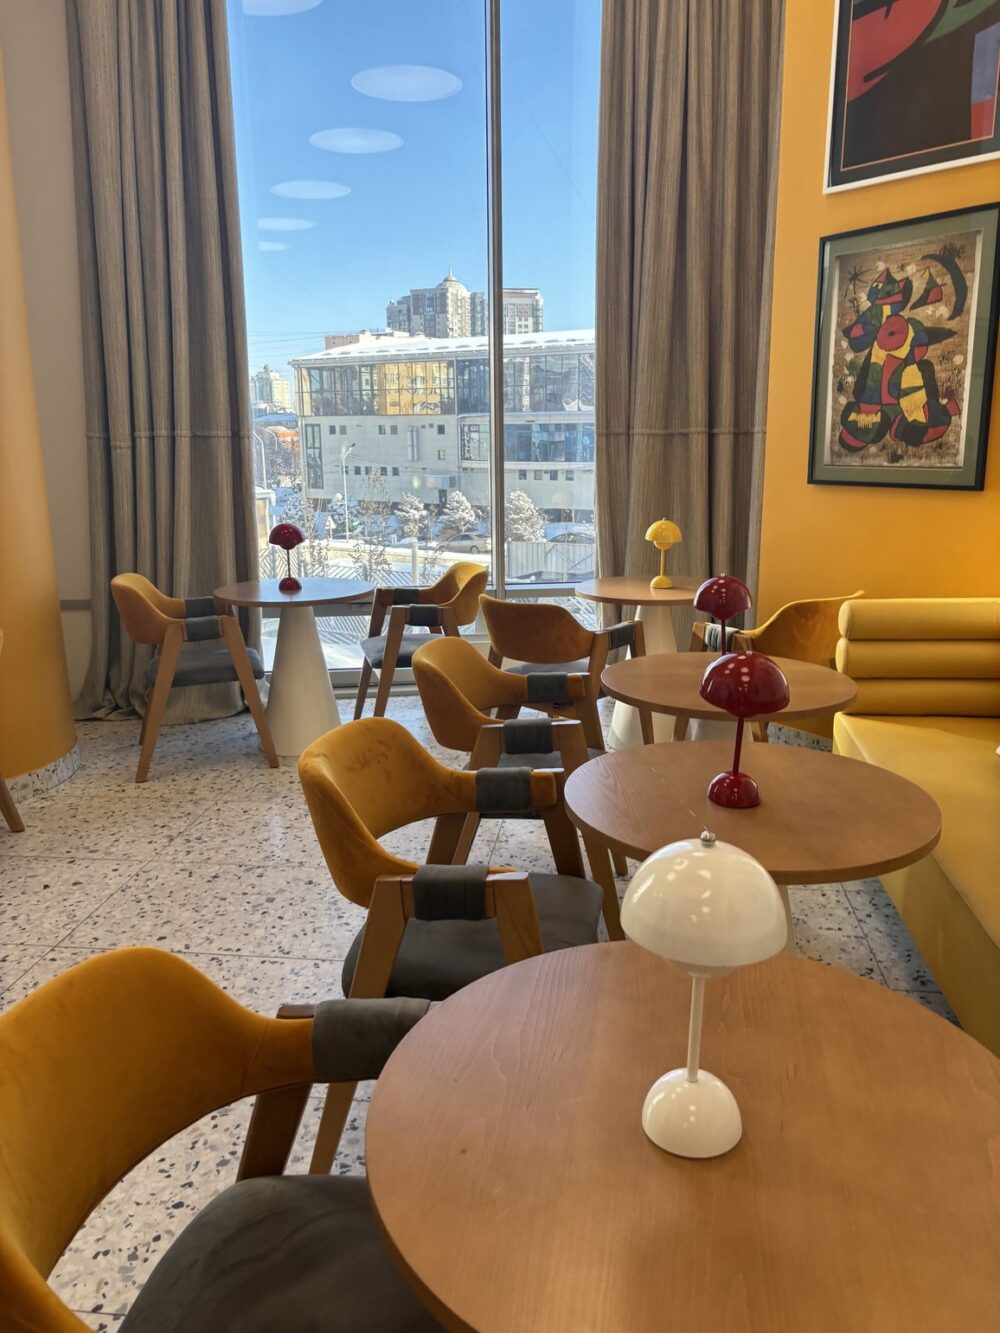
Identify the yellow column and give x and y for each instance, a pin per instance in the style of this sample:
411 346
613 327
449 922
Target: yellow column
36 719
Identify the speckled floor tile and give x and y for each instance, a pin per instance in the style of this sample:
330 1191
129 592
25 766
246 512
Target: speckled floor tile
15 960
266 828
824 907
41 899
852 952
268 911
935 1001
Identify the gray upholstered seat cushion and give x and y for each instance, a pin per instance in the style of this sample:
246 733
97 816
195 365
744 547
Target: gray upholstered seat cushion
573 668
438 958
205 664
713 635
374 649
551 760
280 1254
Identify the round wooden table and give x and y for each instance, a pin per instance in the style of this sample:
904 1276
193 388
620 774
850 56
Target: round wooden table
513 1181
669 684
300 702
822 819
653 607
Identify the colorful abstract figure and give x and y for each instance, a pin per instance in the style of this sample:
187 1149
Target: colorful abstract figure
895 390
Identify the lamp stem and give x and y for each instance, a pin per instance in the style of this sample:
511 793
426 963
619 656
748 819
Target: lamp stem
663 556
722 645
739 745
288 557
694 1027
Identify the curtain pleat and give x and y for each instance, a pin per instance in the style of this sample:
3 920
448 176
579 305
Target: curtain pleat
689 96
168 414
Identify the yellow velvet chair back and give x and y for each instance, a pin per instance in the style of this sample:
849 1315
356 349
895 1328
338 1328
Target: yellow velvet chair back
146 613
459 588
457 688
535 631
805 630
97 1069
369 777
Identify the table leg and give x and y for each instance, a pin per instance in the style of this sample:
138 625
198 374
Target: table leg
300 703
599 856
790 945
626 729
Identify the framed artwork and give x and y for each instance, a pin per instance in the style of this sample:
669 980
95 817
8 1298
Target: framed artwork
914 87
905 347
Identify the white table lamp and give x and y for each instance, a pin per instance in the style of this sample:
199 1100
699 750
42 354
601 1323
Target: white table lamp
706 907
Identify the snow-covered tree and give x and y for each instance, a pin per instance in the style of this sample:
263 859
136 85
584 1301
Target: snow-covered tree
523 521
369 557
412 515
458 515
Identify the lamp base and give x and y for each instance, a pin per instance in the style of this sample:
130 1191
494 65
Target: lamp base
736 791
289 584
661 581
699 1119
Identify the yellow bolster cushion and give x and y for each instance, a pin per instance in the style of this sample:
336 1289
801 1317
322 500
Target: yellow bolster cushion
928 698
970 659
921 618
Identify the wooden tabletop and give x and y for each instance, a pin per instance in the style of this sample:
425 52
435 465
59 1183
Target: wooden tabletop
823 818
668 683
315 592
634 591
513 1181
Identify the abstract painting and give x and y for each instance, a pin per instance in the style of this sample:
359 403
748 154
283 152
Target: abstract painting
914 87
905 351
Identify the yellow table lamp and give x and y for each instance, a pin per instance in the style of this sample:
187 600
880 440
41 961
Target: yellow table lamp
663 534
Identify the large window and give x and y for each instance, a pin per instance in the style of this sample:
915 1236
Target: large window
362 140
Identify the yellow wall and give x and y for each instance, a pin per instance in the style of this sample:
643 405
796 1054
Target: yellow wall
824 540
36 723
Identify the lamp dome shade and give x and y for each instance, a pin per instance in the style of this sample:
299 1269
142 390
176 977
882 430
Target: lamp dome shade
723 597
663 533
745 684
287 536
705 906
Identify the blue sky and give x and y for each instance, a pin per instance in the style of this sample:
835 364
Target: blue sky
412 211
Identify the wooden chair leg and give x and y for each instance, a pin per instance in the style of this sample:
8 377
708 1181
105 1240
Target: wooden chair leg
10 811
466 838
445 839
600 872
591 719
363 683
759 732
238 652
156 707
619 862
333 1118
388 669
275 1119
142 729
681 721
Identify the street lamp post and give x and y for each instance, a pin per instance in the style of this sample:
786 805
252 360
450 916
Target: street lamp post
343 468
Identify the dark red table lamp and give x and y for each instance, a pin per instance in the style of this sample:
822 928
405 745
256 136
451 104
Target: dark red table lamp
287 536
723 597
746 685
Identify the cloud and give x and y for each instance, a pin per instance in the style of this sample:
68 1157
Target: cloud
406 83
310 190
273 245
277 8
284 224
356 141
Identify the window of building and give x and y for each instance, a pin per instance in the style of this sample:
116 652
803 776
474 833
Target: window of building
357 472
553 476
314 456
522 476
343 430
395 471
331 430
394 429
440 430
383 471
381 430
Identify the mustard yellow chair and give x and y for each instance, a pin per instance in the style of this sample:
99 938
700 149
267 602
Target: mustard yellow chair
441 608
928 707
366 779
8 809
458 687
198 642
539 637
102 1065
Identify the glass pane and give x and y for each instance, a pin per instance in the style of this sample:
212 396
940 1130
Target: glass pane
361 143
550 72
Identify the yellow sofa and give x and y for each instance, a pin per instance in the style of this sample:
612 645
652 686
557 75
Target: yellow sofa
928 707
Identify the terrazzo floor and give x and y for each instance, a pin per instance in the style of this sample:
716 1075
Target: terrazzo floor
215 858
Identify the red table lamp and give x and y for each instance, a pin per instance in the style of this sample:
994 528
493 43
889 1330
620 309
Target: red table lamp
287 536
723 597
746 685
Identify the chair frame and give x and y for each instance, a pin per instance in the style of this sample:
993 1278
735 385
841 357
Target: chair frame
9 809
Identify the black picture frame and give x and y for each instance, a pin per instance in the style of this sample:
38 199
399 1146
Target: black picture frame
930 98
829 461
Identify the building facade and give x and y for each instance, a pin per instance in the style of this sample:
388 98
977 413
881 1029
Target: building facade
267 386
450 310
416 413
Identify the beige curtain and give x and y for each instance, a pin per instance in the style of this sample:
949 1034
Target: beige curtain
168 416
689 99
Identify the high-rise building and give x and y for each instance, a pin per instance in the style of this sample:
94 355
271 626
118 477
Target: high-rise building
334 340
267 386
450 310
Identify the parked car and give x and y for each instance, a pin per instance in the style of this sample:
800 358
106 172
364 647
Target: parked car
580 533
468 543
